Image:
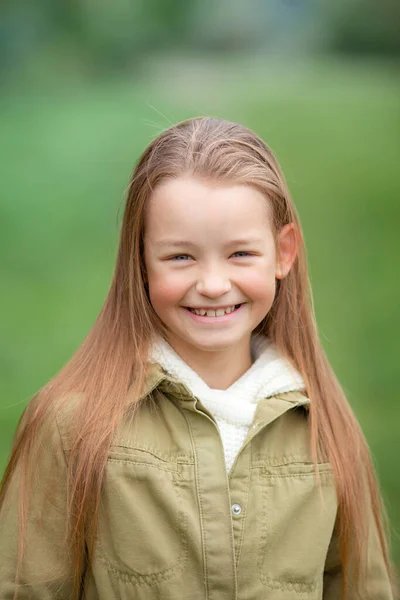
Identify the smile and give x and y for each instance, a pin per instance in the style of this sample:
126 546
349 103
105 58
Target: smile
218 312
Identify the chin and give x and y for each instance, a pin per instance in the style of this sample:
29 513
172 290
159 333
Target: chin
212 345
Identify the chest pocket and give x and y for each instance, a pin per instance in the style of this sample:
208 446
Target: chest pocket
142 535
295 524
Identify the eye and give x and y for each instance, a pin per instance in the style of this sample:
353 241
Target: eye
179 257
243 253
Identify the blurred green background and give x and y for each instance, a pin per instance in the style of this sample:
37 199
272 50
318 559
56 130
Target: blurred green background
86 85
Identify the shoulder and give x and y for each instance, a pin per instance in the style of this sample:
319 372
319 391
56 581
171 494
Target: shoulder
63 415
49 419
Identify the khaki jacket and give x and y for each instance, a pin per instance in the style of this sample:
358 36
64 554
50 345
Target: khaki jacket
173 525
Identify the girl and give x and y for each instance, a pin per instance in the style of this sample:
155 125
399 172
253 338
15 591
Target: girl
198 444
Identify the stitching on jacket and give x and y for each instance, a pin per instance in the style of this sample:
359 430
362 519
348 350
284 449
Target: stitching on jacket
140 464
277 461
149 579
299 587
246 504
326 476
260 459
130 444
147 450
198 490
264 534
227 491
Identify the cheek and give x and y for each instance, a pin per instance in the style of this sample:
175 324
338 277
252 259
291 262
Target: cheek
165 290
259 285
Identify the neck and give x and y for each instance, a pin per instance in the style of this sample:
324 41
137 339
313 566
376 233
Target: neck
219 369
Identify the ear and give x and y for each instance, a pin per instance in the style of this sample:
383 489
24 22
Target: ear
286 250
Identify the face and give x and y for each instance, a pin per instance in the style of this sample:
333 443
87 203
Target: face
211 262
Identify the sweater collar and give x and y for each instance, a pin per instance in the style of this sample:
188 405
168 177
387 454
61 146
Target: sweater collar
269 375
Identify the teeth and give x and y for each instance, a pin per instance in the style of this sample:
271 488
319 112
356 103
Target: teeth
220 312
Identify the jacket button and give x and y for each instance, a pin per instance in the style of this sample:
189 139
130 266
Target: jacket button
236 509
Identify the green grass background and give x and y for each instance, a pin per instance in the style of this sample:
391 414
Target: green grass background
66 151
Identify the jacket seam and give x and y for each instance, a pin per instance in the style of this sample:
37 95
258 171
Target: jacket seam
326 477
164 456
200 505
140 464
61 441
244 518
286 459
299 587
143 579
160 377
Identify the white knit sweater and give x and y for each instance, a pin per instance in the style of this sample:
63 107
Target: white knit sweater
234 408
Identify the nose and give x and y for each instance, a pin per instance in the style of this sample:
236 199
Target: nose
213 283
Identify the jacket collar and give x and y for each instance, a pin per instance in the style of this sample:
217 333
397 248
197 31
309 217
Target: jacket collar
269 374
158 377
268 409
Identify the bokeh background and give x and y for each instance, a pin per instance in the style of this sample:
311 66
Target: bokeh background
84 87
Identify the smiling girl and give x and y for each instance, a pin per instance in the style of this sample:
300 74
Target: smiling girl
198 444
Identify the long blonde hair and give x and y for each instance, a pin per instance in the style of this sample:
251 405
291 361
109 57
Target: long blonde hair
112 359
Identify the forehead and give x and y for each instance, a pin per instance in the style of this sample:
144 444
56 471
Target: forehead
189 207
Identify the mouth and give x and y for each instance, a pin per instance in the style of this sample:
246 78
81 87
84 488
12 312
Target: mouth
214 312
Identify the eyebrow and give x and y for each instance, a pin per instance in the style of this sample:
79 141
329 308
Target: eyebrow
187 243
